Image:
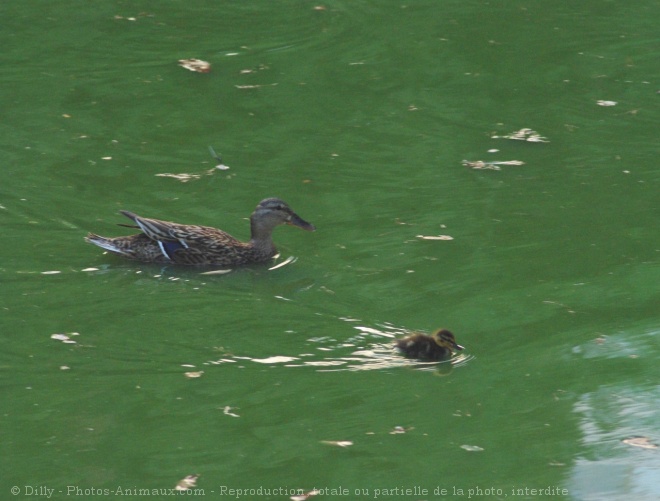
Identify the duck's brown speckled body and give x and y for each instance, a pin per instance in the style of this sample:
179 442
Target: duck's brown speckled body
172 243
439 346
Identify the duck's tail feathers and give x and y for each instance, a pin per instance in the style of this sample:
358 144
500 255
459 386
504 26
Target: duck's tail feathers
104 243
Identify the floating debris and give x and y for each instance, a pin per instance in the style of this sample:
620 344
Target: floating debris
187 483
196 65
338 443
65 338
305 496
481 165
472 448
642 442
606 103
193 375
183 177
227 412
254 86
435 237
400 429
528 135
220 165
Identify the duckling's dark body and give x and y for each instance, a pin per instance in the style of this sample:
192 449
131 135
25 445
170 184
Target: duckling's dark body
439 346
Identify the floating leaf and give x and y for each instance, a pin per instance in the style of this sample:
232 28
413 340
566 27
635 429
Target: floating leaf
435 237
480 164
400 429
64 338
227 412
196 65
509 162
183 177
254 86
642 442
187 483
305 496
220 166
528 135
338 443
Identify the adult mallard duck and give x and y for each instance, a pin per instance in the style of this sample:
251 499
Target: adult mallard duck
172 243
424 347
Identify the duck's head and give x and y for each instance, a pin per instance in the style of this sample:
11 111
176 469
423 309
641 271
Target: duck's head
273 212
445 339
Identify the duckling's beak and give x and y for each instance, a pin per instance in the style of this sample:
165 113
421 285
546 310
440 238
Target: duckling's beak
296 220
458 346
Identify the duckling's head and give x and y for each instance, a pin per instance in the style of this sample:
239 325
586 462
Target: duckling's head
272 212
445 339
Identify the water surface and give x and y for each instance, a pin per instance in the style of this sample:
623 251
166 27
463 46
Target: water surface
359 115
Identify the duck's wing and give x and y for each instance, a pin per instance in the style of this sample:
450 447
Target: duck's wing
184 234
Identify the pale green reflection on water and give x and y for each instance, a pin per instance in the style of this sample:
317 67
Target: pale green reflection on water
359 115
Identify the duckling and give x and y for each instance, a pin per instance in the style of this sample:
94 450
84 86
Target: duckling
424 347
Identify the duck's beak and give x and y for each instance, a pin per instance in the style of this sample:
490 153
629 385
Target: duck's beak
296 220
458 346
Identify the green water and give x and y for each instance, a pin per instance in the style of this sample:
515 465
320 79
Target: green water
359 115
